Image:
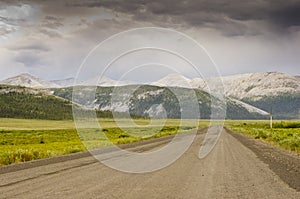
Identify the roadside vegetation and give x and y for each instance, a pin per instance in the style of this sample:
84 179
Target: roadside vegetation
26 145
23 140
284 134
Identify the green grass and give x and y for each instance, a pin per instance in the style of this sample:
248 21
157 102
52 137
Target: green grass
24 140
284 134
25 145
30 124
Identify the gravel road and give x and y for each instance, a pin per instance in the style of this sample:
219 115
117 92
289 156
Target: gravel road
234 169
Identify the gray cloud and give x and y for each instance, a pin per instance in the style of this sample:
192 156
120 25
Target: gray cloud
30 47
15 16
242 36
279 14
50 33
29 59
52 22
288 15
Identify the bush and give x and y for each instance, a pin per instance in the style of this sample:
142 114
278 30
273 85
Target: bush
260 134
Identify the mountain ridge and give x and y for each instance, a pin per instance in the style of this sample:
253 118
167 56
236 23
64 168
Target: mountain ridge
242 86
27 80
147 101
154 101
253 91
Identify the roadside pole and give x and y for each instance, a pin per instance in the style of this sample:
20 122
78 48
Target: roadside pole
271 118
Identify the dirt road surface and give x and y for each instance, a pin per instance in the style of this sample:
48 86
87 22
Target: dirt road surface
231 170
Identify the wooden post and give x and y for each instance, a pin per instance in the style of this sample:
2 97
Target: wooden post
271 118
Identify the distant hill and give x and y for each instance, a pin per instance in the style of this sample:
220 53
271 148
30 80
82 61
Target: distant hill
33 103
28 80
21 102
284 106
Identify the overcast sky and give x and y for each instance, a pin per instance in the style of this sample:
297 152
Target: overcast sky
50 39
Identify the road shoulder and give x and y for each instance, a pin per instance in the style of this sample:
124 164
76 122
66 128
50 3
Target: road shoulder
282 163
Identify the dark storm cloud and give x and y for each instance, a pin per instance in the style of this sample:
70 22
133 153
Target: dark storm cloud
282 14
276 13
288 15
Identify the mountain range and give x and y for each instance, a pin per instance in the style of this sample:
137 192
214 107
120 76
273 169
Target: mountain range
28 80
251 85
248 96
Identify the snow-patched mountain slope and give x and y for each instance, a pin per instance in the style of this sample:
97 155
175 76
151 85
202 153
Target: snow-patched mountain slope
258 85
28 80
252 85
103 81
31 81
251 109
173 80
245 86
152 101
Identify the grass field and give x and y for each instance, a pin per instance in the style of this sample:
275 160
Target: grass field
30 124
24 140
284 134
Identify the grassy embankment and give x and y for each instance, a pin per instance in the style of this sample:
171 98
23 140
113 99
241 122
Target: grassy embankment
24 140
284 134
